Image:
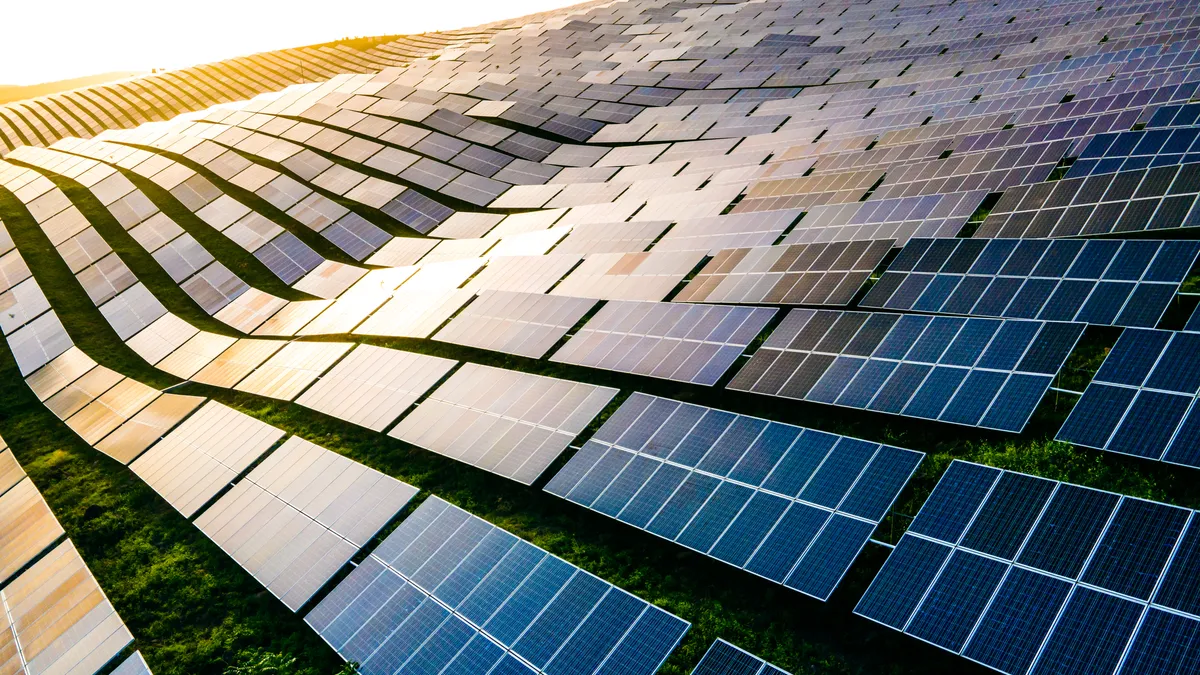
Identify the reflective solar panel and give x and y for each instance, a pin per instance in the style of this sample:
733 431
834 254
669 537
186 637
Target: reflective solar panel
686 343
1141 400
293 368
300 515
795 274
525 324
786 503
510 423
449 592
372 386
28 527
723 658
58 619
1029 575
1105 282
977 372
203 455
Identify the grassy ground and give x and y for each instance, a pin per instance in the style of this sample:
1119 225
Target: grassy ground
194 611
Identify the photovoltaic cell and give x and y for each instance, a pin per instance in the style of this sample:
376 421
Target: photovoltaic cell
790 504
1142 399
1029 575
687 343
449 592
977 372
1104 282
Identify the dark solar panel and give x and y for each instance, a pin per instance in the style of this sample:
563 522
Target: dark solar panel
1106 282
790 504
1140 401
978 372
449 592
1028 575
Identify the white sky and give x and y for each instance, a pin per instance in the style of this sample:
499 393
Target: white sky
43 42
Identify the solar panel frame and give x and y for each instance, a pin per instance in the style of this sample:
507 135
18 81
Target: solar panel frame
724 658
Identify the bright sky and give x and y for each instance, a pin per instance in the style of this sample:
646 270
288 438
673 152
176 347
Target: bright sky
48 41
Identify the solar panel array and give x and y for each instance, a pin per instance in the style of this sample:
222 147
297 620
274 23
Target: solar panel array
1104 282
723 658
786 503
449 592
510 423
990 373
1028 575
672 164
686 343
1141 400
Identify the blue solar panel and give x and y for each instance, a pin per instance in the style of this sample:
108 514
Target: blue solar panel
1108 282
975 372
790 504
723 658
1142 399
447 592
1027 575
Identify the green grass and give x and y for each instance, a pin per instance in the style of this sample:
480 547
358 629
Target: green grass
195 611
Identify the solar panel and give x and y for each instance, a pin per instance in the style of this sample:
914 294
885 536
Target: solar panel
990 373
1155 199
372 386
686 343
1105 282
28 527
11 472
899 219
291 369
795 274
449 592
1141 400
203 455
629 276
237 361
1130 150
506 422
525 324
786 503
300 515
723 658
1029 575
128 441
134 665
58 618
